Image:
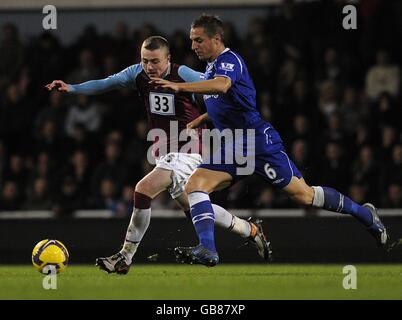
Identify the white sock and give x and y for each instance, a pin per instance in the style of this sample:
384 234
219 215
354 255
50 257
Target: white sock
129 250
139 223
225 219
222 217
319 197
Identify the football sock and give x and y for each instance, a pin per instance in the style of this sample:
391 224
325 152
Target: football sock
332 200
203 218
226 220
139 223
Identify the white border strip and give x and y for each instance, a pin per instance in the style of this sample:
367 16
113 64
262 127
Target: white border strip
26 214
161 213
107 4
96 214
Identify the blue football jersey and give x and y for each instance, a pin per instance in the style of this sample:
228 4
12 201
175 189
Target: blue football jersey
237 108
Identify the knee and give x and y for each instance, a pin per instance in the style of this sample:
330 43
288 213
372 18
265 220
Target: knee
141 200
196 183
192 185
207 182
143 187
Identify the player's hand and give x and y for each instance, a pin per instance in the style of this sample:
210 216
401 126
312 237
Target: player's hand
197 122
161 83
59 85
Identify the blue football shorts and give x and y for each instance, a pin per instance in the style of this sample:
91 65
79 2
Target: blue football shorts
266 157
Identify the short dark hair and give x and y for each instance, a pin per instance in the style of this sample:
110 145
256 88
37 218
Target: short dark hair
212 25
156 42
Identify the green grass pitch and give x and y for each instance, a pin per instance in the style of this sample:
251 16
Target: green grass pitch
153 281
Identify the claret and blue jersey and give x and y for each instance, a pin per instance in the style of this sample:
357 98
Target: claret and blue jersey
162 106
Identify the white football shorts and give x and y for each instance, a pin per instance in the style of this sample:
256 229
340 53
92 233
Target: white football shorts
182 165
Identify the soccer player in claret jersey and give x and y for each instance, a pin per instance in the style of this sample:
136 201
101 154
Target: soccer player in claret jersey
230 98
172 168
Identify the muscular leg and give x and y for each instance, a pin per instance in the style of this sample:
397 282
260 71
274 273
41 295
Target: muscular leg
148 188
208 181
155 182
300 192
327 198
200 184
223 218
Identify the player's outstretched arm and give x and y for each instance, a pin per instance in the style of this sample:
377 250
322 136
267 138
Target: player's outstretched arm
59 85
91 87
122 79
218 85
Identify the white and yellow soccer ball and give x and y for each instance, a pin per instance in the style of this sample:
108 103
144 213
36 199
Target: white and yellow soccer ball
50 253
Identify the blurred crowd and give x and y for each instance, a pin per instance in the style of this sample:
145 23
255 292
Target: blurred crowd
333 94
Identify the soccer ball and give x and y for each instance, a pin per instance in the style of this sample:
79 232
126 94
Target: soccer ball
50 253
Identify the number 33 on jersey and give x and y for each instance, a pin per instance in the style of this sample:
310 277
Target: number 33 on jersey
162 103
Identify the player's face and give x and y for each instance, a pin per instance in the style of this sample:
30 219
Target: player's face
204 46
155 62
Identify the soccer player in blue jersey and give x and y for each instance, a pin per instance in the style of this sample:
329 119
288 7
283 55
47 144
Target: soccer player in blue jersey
230 98
172 168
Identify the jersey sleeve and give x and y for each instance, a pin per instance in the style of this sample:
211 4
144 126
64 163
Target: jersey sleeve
123 79
230 66
190 75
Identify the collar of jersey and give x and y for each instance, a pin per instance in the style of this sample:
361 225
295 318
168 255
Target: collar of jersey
169 68
213 62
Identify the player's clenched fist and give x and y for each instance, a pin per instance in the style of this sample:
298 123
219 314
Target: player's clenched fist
161 83
59 85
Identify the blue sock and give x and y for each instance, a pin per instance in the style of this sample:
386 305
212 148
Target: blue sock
337 202
203 218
